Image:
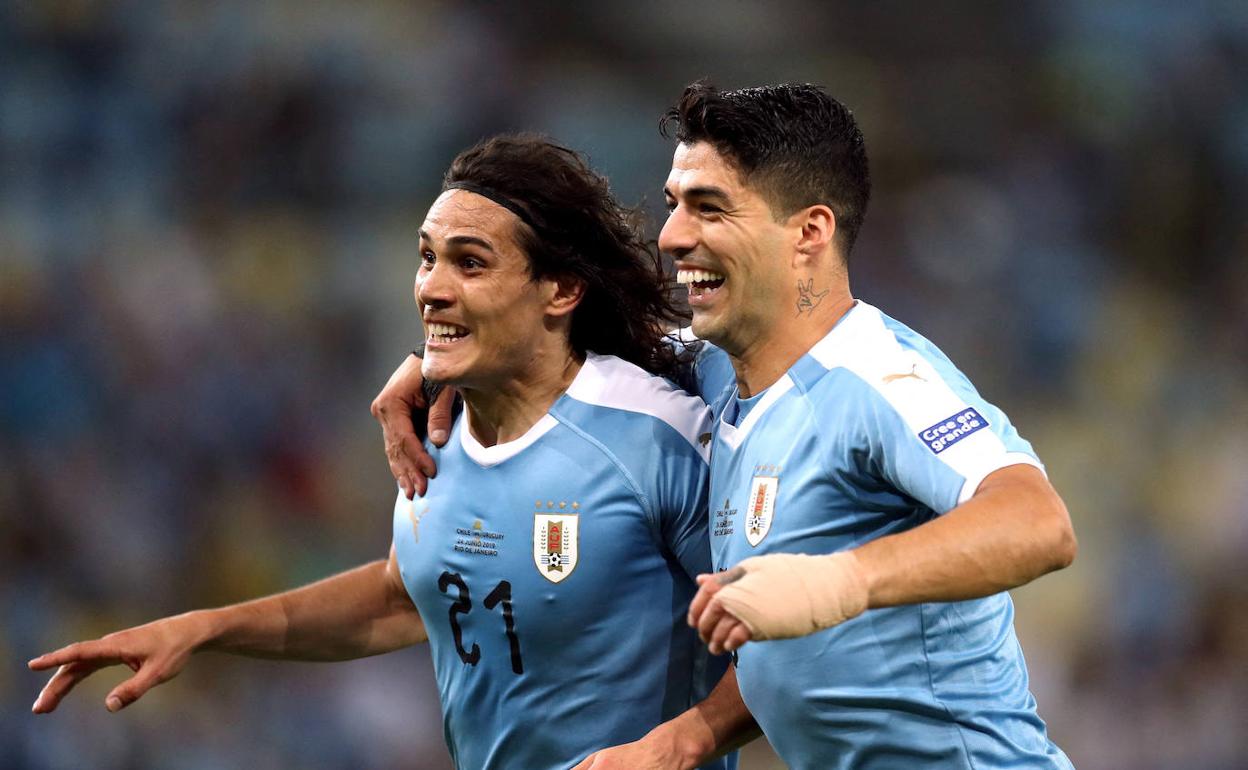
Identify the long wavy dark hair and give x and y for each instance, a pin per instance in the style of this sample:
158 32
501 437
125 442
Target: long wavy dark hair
576 229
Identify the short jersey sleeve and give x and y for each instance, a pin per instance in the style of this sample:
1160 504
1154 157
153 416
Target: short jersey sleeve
910 417
660 437
667 465
935 440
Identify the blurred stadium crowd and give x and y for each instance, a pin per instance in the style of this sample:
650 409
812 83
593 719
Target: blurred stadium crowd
207 218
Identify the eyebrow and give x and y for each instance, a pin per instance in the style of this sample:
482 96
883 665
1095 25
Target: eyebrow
461 240
701 191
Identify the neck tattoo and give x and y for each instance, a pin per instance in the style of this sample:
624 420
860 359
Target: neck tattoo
807 298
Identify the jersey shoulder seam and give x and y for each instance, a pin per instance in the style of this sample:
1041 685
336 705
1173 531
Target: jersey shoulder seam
608 382
820 438
616 462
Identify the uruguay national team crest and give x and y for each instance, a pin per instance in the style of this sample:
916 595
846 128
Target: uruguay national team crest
761 508
555 540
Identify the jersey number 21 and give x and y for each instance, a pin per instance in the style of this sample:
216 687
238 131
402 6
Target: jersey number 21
463 605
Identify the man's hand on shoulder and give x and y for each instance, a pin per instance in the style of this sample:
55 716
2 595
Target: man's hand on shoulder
399 404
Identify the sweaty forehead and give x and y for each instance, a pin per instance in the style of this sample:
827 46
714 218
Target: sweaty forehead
701 165
464 213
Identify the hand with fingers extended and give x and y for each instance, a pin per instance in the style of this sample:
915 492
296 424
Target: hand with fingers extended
155 652
399 404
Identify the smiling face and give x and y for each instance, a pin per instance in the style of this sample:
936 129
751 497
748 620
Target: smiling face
486 319
729 249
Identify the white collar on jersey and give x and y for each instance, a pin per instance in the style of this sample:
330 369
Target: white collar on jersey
486 456
589 378
735 434
839 336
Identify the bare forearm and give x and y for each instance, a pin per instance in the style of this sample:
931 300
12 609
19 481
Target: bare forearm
1012 531
350 615
712 728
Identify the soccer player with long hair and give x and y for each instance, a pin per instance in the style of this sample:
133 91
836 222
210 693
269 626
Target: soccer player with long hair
550 562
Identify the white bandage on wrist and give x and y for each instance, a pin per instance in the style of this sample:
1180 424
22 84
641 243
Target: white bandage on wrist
783 595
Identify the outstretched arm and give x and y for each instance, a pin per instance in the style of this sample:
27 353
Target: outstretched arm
710 729
1014 529
357 613
361 612
397 407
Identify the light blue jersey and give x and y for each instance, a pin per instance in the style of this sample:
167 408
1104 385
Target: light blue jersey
553 573
705 368
873 432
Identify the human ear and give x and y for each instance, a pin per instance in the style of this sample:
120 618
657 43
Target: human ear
565 294
817 227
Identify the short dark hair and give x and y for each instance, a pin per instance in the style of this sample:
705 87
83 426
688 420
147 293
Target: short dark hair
793 143
574 228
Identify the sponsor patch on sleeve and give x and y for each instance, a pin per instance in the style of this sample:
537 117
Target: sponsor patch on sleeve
952 429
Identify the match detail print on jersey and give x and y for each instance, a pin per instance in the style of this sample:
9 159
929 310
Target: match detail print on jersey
762 508
555 544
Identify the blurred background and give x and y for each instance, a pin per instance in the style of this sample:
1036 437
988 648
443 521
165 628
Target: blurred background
207 244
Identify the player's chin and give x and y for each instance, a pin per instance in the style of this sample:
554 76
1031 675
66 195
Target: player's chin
443 368
707 325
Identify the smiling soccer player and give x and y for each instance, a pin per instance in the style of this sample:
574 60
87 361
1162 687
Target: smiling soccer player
875 507
550 562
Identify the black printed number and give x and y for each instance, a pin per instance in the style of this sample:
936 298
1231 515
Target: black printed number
502 592
463 605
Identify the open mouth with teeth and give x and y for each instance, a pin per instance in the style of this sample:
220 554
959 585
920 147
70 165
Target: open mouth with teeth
700 282
443 333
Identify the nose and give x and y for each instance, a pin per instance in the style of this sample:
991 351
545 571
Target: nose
678 236
432 287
